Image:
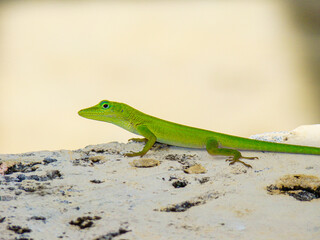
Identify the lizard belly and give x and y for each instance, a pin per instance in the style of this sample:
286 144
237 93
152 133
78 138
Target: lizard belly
180 137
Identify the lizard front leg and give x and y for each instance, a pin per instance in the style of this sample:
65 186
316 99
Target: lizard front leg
149 139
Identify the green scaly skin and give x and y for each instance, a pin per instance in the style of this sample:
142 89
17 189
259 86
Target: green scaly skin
157 130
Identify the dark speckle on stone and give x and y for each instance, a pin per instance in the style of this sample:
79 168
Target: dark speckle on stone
112 235
96 181
50 175
20 167
20 178
49 160
84 222
54 174
204 180
18 229
38 218
34 177
180 183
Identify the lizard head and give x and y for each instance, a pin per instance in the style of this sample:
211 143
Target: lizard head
106 111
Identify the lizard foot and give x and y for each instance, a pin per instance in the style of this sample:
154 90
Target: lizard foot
138 140
233 161
133 154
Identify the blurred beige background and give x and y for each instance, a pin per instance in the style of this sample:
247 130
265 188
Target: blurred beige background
238 67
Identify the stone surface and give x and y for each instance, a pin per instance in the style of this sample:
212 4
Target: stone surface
95 193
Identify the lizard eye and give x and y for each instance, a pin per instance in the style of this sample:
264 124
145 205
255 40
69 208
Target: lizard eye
105 105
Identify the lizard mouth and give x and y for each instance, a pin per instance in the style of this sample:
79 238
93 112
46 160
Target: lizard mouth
87 113
93 114
83 113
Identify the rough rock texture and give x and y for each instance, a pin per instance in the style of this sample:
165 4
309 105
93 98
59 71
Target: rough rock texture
95 193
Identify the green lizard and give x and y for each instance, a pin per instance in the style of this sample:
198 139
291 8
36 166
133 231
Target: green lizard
157 130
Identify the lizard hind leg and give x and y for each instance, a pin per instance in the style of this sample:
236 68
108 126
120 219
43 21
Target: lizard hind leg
213 148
